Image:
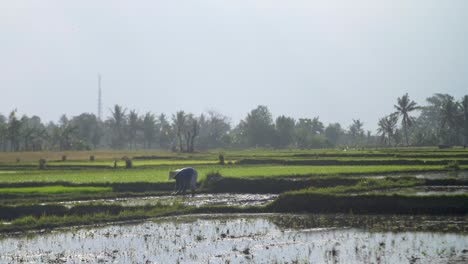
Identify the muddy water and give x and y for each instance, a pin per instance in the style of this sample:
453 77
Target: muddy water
236 239
229 199
463 175
442 175
428 190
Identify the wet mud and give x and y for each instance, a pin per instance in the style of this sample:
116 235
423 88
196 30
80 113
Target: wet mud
234 239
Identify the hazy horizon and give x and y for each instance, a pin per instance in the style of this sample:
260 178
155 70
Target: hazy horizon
338 60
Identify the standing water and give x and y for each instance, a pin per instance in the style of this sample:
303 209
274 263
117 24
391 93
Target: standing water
234 239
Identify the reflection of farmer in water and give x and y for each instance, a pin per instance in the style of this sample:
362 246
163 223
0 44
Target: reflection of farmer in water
184 178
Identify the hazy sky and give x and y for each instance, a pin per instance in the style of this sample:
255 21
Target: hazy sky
338 60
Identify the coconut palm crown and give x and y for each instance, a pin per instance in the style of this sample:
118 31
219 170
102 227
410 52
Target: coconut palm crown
404 107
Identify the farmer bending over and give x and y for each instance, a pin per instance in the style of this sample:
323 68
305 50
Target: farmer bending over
184 178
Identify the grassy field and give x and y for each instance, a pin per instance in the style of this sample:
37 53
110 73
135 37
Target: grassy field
354 198
54 189
160 174
109 156
304 182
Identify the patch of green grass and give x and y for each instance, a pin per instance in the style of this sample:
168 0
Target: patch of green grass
110 163
160 174
108 156
54 190
268 171
52 221
353 198
365 185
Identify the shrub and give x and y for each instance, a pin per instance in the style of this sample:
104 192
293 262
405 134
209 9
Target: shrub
211 178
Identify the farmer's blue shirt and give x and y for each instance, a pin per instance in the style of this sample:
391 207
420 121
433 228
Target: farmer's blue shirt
185 172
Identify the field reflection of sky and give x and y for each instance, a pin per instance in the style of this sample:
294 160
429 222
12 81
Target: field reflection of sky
238 239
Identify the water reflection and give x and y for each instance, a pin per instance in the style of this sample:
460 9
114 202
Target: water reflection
236 239
229 199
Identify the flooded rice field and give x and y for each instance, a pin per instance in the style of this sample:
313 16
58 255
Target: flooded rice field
234 239
461 175
428 190
228 199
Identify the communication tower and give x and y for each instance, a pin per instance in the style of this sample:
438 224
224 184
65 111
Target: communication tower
99 98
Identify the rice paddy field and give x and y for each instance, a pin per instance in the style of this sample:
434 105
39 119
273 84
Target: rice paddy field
271 206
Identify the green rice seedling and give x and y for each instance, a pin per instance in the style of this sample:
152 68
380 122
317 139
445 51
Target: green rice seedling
159 174
55 189
453 165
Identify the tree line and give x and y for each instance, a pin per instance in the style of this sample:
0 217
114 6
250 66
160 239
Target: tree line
442 121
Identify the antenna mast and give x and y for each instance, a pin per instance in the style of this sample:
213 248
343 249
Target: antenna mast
99 98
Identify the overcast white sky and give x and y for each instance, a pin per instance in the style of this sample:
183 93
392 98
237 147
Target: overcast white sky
338 60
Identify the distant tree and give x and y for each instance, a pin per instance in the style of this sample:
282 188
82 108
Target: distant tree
442 120
88 129
284 131
238 135
65 134
133 128
118 124
316 126
398 137
427 126
13 131
33 134
308 133
303 132
370 139
191 132
387 127
464 107
450 121
3 132
179 121
164 132
404 107
258 127
149 130
214 130
356 131
333 133
63 120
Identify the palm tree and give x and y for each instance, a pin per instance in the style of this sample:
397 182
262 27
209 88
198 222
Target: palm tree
317 126
118 123
3 132
133 126
13 130
356 131
164 133
180 126
66 135
450 120
191 132
387 127
149 129
404 107
464 106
